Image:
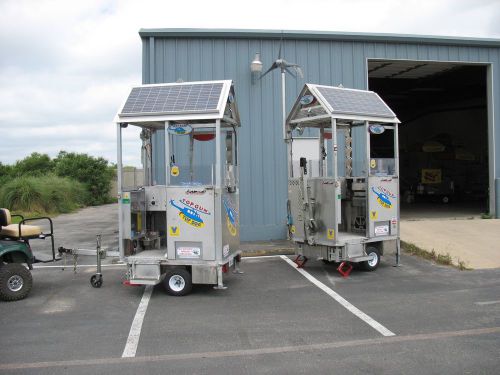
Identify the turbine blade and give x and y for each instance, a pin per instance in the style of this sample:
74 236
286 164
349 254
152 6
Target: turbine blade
297 68
299 71
291 73
274 66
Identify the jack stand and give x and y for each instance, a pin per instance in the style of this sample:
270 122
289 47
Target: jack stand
220 285
300 261
237 260
96 279
345 272
398 254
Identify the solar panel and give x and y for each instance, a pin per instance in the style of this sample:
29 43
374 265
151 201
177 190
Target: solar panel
358 102
181 98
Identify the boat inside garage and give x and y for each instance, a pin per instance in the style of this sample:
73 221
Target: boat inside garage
443 137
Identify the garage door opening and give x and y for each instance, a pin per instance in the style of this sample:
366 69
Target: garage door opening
443 137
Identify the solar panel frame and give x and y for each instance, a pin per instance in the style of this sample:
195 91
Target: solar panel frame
354 102
174 99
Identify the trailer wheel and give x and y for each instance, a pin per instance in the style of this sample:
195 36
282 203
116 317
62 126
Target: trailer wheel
15 282
96 280
374 261
177 282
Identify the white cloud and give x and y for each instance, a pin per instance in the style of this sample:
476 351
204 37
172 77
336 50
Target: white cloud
66 65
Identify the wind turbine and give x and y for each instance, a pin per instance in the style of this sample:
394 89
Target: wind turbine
285 67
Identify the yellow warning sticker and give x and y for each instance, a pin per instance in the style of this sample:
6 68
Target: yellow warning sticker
373 163
292 229
373 215
174 171
330 233
174 231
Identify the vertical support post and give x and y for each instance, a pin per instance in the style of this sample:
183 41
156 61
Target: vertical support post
120 189
367 174
396 172
217 155
321 148
167 154
218 201
191 157
335 175
367 161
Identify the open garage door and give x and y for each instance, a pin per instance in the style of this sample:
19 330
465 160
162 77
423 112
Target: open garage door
444 134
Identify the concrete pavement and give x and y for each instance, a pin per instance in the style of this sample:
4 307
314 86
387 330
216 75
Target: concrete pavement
475 242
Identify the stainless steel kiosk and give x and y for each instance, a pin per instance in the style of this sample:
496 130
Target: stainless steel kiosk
344 206
186 231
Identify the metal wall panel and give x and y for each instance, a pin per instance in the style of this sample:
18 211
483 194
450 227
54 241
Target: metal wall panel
263 180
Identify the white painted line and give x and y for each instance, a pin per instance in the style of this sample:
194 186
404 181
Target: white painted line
135 329
337 297
486 303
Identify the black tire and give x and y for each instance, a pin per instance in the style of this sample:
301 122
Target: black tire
96 280
15 282
371 265
177 282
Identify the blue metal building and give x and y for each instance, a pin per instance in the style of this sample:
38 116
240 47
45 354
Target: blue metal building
364 61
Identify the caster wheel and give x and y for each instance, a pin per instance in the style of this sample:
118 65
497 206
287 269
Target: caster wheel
96 280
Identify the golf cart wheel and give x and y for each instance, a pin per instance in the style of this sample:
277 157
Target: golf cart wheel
177 282
15 282
96 280
374 261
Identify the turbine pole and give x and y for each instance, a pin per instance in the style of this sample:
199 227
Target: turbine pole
283 112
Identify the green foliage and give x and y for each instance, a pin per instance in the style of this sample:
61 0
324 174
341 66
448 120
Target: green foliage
34 165
40 184
44 194
5 173
93 172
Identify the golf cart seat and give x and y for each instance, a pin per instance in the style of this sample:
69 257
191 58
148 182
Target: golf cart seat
16 231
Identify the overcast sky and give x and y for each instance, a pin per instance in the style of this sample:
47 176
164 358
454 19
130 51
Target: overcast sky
65 66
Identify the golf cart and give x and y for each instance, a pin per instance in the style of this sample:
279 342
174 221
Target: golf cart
16 256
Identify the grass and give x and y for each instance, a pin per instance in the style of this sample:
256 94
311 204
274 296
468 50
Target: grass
38 196
444 259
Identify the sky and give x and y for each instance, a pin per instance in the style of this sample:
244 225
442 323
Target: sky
66 66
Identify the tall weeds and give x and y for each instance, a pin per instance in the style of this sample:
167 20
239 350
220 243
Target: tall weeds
44 195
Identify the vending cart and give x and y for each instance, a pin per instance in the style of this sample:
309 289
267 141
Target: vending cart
349 211
182 226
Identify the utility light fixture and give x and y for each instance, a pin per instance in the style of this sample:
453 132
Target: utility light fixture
256 64
256 67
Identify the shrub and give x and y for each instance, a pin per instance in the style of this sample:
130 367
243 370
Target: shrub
93 172
47 194
34 165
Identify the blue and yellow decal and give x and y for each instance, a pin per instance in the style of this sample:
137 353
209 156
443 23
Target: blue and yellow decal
190 211
231 217
384 196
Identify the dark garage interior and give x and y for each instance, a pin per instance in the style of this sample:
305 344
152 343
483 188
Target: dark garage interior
443 138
